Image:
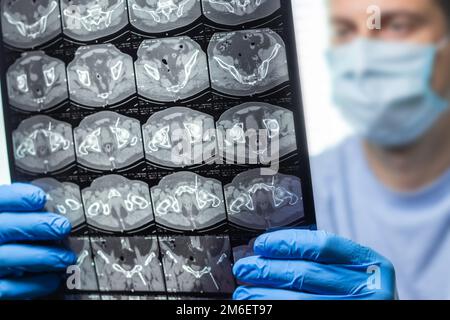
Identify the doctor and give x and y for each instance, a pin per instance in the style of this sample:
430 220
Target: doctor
388 188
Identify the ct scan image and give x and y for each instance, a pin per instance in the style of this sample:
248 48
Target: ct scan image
43 144
234 12
63 198
86 20
83 276
247 62
264 201
28 24
115 203
251 130
179 137
187 201
100 75
171 69
108 141
155 16
132 298
194 264
128 264
36 82
82 297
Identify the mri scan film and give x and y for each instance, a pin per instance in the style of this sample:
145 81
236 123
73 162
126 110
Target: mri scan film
63 198
128 264
187 201
108 141
155 16
100 75
260 202
195 264
27 24
42 144
86 20
151 126
114 203
171 69
251 130
179 137
233 12
82 275
37 82
247 62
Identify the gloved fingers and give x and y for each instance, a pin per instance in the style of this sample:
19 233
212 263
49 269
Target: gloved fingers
19 197
29 287
301 275
260 293
316 246
20 258
33 227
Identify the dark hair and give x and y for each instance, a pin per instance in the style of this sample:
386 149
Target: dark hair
445 5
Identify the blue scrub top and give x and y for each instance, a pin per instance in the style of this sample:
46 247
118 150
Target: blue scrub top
410 229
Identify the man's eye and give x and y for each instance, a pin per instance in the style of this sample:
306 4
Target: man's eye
399 27
341 34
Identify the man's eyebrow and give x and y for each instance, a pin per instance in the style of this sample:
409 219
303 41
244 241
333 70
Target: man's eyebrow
416 19
391 14
342 20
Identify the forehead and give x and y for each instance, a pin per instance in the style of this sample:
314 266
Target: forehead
352 7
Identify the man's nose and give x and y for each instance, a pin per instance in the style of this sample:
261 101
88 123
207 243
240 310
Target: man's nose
364 31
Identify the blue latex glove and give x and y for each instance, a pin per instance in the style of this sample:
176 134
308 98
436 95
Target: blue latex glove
30 270
313 265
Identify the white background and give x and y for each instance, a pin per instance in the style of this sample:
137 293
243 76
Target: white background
324 125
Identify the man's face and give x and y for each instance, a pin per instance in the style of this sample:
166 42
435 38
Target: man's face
412 21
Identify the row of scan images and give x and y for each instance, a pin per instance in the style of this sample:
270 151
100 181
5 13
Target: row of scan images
179 264
115 296
27 24
240 63
183 201
178 137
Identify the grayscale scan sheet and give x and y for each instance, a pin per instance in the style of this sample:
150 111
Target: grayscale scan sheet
169 132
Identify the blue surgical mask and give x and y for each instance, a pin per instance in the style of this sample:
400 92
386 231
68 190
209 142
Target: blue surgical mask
384 89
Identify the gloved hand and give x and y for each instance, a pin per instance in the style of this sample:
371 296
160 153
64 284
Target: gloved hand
313 265
29 270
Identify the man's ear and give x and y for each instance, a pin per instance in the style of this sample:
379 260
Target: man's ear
441 78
